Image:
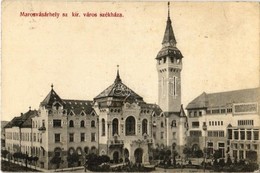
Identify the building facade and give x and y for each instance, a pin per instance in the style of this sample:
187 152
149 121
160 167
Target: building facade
231 120
117 122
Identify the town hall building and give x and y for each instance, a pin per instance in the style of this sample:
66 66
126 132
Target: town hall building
117 122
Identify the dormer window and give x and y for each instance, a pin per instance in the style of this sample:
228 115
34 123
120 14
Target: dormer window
82 113
57 105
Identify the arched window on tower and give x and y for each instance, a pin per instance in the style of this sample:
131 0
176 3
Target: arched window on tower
144 126
103 130
71 123
115 126
130 126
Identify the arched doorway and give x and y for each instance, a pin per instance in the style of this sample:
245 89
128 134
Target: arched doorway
126 155
138 155
116 156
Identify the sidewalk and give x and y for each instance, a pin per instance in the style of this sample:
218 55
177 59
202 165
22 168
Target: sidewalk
47 170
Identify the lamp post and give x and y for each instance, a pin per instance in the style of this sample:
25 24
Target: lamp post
204 127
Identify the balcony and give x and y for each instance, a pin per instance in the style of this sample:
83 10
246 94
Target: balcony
115 143
42 128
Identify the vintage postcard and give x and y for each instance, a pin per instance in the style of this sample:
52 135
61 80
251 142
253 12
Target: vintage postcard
130 86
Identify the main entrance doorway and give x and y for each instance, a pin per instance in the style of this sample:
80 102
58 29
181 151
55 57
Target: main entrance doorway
138 155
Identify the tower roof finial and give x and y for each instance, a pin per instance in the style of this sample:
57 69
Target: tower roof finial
118 79
52 86
168 9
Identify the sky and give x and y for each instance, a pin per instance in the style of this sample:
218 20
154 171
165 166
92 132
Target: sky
79 55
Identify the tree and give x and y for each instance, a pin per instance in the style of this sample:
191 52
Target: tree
56 160
252 156
4 153
35 159
198 153
72 158
187 152
229 161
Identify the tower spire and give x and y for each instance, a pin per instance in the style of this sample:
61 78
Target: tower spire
168 34
118 79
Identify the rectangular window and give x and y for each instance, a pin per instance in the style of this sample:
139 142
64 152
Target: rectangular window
210 123
209 133
256 135
221 133
200 113
162 135
195 133
208 112
234 153
222 123
236 135
57 137
242 135
229 133
56 123
34 137
248 146
229 110
93 137
223 111
248 135
215 111
255 147
71 137
195 113
82 137
196 124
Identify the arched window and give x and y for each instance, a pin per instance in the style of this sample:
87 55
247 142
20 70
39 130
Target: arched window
173 123
115 126
162 124
71 123
92 123
103 130
86 149
82 123
144 126
130 126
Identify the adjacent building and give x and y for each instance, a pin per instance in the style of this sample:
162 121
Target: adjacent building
225 121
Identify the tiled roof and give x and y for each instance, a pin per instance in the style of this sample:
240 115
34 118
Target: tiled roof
77 106
225 98
51 98
168 34
22 121
181 113
119 90
169 51
157 110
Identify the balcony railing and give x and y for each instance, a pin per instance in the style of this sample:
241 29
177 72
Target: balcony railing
115 142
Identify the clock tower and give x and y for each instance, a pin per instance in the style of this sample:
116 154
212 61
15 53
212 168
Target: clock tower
169 66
